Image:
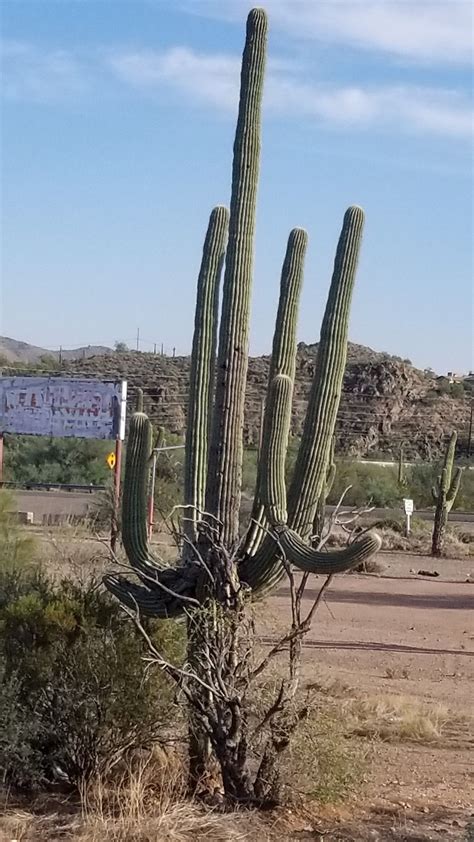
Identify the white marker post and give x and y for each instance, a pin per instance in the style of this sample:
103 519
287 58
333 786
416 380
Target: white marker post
408 512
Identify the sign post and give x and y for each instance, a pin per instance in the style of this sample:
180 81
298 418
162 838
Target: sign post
117 465
408 504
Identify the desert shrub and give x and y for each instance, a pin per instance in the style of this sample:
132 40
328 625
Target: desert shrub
16 547
59 460
321 762
373 483
75 697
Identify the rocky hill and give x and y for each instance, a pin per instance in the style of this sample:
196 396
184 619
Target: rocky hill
386 401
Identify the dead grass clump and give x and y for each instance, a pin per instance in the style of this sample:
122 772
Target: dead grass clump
395 718
420 542
147 803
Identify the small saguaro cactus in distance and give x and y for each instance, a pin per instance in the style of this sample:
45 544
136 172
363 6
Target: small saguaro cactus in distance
402 480
444 495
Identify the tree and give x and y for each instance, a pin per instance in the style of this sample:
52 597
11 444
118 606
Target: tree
121 347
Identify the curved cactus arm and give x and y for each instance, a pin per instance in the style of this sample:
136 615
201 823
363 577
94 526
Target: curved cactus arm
201 386
225 457
283 361
149 603
135 497
313 561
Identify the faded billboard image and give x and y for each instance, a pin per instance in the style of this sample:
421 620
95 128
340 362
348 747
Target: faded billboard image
56 406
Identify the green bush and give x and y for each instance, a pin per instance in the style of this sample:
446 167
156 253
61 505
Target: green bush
16 547
75 699
58 460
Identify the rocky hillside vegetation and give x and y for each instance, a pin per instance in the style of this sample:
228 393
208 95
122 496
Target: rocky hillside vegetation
386 401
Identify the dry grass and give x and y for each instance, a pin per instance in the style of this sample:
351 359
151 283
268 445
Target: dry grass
395 718
420 541
147 804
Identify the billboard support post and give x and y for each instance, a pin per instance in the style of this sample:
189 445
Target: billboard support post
1 458
117 476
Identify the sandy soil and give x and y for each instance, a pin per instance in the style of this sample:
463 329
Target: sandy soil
406 635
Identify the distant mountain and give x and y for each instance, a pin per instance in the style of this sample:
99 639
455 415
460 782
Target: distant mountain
14 351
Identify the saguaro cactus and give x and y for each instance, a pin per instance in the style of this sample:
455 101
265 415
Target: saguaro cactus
444 495
213 463
401 466
219 568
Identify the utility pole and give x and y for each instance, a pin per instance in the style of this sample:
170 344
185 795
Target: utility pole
138 338
469 435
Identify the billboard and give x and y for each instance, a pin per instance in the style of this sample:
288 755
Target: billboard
59 406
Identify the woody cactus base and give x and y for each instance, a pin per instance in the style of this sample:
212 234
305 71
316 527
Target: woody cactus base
281 522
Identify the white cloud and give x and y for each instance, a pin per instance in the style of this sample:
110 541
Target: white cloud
214 79
421 30
40 75
35 74
211 78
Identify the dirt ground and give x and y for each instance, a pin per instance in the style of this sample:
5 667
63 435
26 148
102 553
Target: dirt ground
403 635
392 634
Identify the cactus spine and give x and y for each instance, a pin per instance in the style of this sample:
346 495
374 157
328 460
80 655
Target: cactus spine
281 523
444 494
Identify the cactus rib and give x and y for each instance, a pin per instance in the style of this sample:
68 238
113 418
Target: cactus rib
225 463
201 385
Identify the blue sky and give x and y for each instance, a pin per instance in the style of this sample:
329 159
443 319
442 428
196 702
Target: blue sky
117 124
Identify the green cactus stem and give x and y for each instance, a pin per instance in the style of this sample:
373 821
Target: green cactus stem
139 400
444 495
201 386
225 463
283 362
401 466
264 570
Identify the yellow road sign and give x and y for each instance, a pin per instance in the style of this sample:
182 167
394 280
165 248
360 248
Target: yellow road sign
111 460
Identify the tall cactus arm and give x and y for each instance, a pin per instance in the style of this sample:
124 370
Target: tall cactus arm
311 465
454 488
139 400
201 385
274 447
283 361
449 458
264 571
225 462
294 549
